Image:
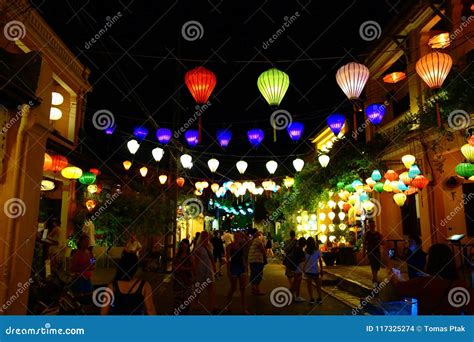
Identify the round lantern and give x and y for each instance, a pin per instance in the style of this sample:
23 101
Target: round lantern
186 161
71 172
92 189
323 160
352 78
420 182
58 163
180 181
47 185
213 164
335 122
468 152
295 130
241 166
405 178
95 171
378 187
140 133
157 153
48 162
408 160
400 199
289 182
163 179
255 136
465 170
273 85
55 114
375 113
414 171
298 164
163 135
223 137
376 175
56 98
201 83
215 187
90 204
133 146
391 175
87 178
433 68
192 137
271 166
127 165
144 171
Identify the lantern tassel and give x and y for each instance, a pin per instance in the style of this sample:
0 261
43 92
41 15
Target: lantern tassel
438 114
274 131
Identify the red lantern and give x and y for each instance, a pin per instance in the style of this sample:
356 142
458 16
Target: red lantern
99 187
470 141
346 207
180 182
391 175
58 163
420 182
95 171
47 162
201 83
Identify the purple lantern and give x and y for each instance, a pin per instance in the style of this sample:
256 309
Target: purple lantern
163 135
110 130
375 113
140 133
295 130
335 122
224 136
255 136
192 137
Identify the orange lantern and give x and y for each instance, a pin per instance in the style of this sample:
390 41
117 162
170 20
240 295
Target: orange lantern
394 77
58 163
405 178
433 68
411 190
180 181
48 161
346 207
391 175
420 182
90 204
127 165
440 41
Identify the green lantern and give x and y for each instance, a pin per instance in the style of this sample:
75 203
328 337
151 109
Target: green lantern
465 170
273 85
340 185
378 187
87 178
349 188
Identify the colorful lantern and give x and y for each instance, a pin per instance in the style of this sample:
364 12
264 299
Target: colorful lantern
58 163
271 166
163 135
289 182
378 187
376 175
387 186
215 187
346 207
400 199
133 146
295 130
375 113
47 185
323 160
201 83
180 181
440 41
48 162
335 122
192 137
127 164
92 189
241 166
298 164
186 161
470 141
370 182
391 175
420 182
394 77
140 133
433 68
465 170
411 190
414 171
467 151
90 204
255 136
71 172
352 78
87 178
349 188
273 85
405 178
223 137
213 164
402 186
157 153
144 171
408 160
95 171
163 179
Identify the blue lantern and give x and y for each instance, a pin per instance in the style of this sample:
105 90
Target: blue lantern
375 113
376 175
363 197
192 137
110 130
255 136
295 130
224 136
401 186
335 122
414 171
163 135
140 133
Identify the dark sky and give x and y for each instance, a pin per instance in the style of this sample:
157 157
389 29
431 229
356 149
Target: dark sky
138 67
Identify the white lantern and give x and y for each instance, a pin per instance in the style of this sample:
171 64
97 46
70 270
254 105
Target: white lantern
322 216
352 78
56 99
213 164
55 114
144 171
341 215
163 179
272 166
331 204
186 161
47 185
323 160
241 166
157 153
215 188
408 160
331 215
298 164
133 146
323 238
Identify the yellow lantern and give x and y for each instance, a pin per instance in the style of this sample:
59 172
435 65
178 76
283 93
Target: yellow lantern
405 178
408 160
387 186
299 227
90 204
92 189
468 152
71 172
394 185
163 179
289 182
353 199
400 199
127 164
215 187
144 171
323 238
370 181
440 41
47 185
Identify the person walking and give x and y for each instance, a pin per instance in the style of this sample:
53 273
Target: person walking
257 261
269 246
311 270
206 269
237 269
183 275
288 248
218 251
373 241
131 296
294 271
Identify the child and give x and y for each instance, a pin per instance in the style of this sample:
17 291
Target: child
311 269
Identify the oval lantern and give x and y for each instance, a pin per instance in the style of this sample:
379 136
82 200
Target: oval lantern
200 82
255 136
295 130
468 152
163 135
271 166
213 164
157 153
127 164
215 187
163 179
180 181
192 137
433 68
58 163
273 85
465 170
144 171
298 164
186 161
48 162
335 122
400 199
375 113
133 146
71 172
87 178
95 171
241 166
352 78
323 160
420 182
376 175
223 137
140 133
